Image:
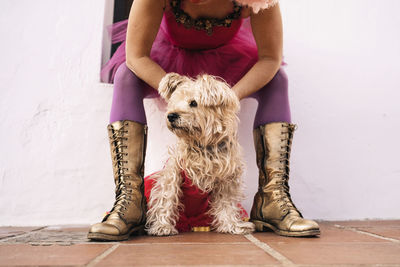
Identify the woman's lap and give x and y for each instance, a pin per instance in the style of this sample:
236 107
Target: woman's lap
129 92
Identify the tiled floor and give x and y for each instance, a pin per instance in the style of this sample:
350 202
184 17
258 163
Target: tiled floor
349 243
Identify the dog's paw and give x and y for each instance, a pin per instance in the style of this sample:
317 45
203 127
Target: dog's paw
237 228
162 230
243 228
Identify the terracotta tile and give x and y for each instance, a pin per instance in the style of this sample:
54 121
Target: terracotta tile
13 231
389 228
369 223
339 253
191 237
391 232
23 254
187 254
68 228
329 233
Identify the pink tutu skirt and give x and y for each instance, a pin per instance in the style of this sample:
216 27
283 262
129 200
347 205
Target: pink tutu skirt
230 61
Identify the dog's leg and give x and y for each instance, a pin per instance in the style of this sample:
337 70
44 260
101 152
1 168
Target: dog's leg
164 204
225 211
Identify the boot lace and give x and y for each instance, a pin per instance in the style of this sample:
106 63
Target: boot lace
122 191
284 196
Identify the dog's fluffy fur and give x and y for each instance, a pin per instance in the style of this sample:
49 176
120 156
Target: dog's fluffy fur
203 115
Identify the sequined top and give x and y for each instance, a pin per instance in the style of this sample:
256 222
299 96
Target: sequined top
205 24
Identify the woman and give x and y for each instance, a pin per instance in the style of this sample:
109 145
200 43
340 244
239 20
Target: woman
190 37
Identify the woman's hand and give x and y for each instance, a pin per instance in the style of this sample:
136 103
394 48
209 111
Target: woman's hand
267 31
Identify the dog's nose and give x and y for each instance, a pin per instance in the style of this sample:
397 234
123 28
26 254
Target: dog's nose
172 117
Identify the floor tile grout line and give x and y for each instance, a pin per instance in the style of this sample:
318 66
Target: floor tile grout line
102 255
4 240
366 233
184 243
215 265
349 265
275 254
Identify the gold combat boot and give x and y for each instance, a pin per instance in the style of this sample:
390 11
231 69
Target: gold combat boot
273 208
128 215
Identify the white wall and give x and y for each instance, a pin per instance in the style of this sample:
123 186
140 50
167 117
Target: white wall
343 60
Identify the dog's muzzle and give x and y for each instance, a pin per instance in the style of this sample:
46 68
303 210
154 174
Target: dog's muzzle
172 117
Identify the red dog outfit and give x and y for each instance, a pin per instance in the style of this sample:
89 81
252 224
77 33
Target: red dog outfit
195 201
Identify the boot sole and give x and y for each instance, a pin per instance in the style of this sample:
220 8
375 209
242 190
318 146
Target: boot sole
260 228
105 237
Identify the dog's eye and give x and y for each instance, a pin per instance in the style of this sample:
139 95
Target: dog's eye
193 104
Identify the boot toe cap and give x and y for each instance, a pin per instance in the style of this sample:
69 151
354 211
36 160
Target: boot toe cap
304 225
104 228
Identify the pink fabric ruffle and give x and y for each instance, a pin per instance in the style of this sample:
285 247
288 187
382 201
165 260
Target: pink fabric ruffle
229 61
117 32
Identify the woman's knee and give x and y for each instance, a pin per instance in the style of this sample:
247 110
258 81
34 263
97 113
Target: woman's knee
277 86
279 82
125 79
281 78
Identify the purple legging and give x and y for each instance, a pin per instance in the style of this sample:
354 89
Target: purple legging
129 92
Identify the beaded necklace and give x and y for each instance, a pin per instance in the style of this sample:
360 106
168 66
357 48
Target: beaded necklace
205 24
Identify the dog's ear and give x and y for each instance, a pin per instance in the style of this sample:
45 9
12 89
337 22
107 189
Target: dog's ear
216 92
169 83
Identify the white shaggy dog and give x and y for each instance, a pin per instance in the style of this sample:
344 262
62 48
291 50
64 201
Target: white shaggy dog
202 114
